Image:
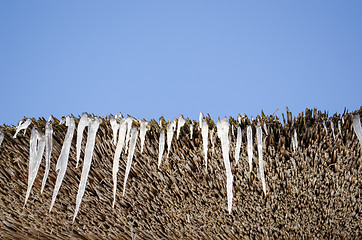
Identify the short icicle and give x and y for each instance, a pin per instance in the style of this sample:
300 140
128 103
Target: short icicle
37 145
223 134
1 137
238 145
83 122
259 135
63 158
89 148
161 147
249 133
332 127
132 145
191 130
115 127
180 123
22 125
143 130
48 151
117 156
357 128
170 131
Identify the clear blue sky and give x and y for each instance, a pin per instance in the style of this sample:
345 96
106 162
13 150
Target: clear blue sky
153 58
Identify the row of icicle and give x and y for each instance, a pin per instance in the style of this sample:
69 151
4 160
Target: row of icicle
125 134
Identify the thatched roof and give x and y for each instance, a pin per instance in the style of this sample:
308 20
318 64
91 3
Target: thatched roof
314 192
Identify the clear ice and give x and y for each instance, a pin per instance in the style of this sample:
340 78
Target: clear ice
143 130
48 151
249 136
259 135
63 158
37 145
115 127
117 156
238 145
205 141
132 145
161 146
265 129
22 125
181 122
357 128
93 126
170 131
339 128
83 122
223 132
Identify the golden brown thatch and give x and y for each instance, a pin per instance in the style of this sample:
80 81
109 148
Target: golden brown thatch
314 192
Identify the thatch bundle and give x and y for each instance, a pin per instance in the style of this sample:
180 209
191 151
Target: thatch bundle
312 192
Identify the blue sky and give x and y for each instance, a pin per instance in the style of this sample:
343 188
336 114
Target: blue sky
153 58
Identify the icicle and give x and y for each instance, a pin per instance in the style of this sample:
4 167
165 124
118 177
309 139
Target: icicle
37 145
204 133
1 137
191 130
232 130
249 132
212 140
115 128
265 129
48 151
339 128
332 126
223 132
91 139
63 158
181 122
143 130
22 125
117 156
324 125
201 117
295 141
129 121
342 120
161 147
259 135
83 122
357 128
132 145
238 145
170 130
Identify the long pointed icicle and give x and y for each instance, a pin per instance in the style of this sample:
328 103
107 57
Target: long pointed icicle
63 158
294 141
83 122
205 141
115 127
37 145
91 139
1 137
325 127
161 147
238 145
48 151
180 123
22 125
117 156
223 133
357 128
249 132
143 130
259 135
170 131
132 145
